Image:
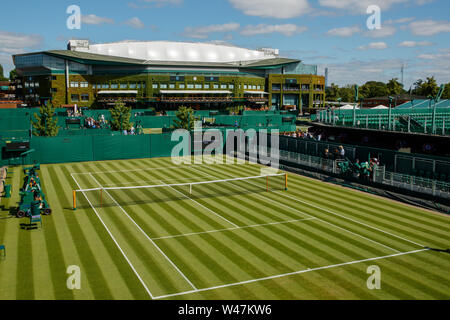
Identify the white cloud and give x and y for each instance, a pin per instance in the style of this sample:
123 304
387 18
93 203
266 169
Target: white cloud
285 29
203 32
385 31
374 46
434 56
135 23
282 9
359 6
344 32
12 40
95 20
429 27
413 44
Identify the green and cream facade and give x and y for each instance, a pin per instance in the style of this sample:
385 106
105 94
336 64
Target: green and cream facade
68 77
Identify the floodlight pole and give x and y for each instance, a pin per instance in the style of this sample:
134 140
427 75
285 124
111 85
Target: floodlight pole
390 114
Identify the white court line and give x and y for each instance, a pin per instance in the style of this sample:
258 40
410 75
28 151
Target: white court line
145 234
356 221
154 180
232 229
117 244
304 213
291 274
210 210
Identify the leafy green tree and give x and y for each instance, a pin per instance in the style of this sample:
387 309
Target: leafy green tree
120 115
332 92
446 94
45 125
426 88
372 89
185 119
347 93
394 87
2 78
13 74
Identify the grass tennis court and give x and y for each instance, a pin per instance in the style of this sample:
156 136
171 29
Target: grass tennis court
229 240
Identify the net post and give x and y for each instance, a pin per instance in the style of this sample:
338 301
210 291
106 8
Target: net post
74 200
286 182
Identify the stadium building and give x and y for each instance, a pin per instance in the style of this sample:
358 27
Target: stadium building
165 75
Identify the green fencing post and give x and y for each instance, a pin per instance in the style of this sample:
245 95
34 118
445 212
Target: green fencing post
390 114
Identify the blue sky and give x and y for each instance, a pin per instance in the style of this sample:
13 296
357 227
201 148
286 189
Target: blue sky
329 33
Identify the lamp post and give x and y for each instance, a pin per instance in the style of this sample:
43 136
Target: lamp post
339 100
390 113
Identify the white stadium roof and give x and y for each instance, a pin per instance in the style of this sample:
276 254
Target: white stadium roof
174 51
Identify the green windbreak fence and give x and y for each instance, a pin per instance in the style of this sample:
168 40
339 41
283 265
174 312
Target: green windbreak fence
93 148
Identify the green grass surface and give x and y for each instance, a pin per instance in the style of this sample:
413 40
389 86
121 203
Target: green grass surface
225 241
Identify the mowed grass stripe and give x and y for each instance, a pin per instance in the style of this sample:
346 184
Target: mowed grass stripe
195 218
10 272
90 265
318 205
127 276
383 212
24 276
62 182
230 260
163 274
295 210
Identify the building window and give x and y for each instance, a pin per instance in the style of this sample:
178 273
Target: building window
259 87
74 84
54 90
84 97
133 86
190 86
155 86
223 86
53 78
245 87
84 85
216 86
123 86
198 86
114 86
144 85
171 86
75 97
206 86
163 86
105 86
231 86
181 86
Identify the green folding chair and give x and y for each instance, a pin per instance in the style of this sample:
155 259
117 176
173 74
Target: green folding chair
2 251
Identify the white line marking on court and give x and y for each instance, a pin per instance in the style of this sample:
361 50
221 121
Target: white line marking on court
292 273
304 213
115 241
210 210
232 229
145 234
334 213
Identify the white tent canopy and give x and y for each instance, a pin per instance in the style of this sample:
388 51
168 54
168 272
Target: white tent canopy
348 107
380 107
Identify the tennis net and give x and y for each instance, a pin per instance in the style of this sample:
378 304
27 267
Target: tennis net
162 192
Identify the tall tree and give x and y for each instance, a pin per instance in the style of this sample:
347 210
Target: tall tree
446 94
426 88
394 87
2 78
120 115
332 92
13 74
372 89
45 125
185 118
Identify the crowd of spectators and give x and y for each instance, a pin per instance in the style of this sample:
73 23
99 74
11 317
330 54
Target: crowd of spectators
100 123
73 114
317 136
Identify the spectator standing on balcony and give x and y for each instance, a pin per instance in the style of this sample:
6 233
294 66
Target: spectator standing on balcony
341 152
